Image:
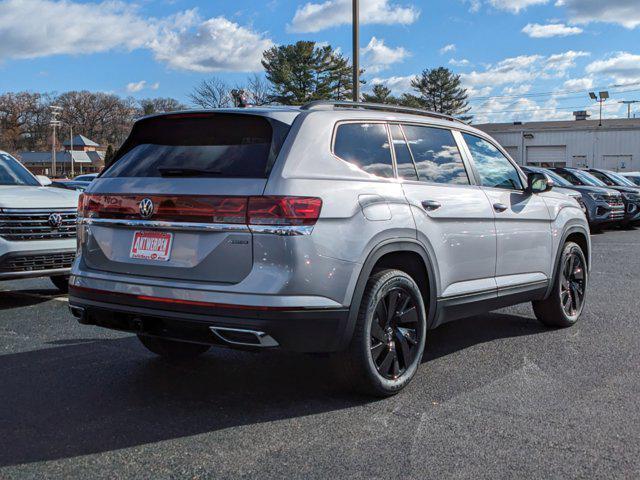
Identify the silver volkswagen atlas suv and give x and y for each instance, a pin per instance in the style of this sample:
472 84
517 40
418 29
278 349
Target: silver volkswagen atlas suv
341 228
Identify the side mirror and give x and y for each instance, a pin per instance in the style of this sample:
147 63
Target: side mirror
539 183
44 180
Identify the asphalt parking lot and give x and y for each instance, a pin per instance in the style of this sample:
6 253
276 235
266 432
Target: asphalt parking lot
499 396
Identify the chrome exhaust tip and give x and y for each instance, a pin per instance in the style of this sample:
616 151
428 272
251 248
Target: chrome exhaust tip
77 312
244 337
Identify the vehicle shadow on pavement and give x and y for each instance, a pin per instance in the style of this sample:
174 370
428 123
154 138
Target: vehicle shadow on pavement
25 298
84 396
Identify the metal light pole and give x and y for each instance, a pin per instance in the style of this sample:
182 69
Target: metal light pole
600 98
71 150
55 111
356 50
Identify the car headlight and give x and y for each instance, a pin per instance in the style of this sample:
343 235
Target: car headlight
597 197
632 197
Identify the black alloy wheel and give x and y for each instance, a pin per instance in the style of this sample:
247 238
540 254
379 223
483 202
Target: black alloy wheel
572 286
395 333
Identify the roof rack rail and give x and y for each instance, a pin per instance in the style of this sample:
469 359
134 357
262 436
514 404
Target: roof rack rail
325 104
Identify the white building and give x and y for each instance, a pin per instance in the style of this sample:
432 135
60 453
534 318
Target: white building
580 143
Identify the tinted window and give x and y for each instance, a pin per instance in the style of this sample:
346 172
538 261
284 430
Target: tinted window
602 177
13 173
436 155
220 145
404 162
585 178
365 145
494 168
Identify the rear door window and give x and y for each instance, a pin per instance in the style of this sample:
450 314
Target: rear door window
366 146
436 155
216 145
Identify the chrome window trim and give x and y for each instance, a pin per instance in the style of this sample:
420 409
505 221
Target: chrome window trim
283 230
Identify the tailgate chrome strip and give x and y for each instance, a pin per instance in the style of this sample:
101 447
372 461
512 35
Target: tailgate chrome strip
157 225
283 230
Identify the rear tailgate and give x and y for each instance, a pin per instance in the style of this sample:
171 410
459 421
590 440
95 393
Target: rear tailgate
173 205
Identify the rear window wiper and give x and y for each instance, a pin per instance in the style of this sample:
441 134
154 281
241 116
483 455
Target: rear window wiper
187 172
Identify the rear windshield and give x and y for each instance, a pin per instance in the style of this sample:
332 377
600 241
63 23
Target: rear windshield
211 144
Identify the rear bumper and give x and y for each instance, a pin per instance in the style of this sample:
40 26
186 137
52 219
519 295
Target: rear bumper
298 330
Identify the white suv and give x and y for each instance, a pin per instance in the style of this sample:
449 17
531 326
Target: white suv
37 226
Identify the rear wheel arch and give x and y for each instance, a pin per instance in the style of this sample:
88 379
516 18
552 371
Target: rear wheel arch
401 255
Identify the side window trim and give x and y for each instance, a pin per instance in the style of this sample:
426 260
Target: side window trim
393 152
474 176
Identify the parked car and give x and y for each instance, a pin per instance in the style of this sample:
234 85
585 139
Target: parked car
616 203
324 228
87 177
632 177
602 206
630 191
79 186
37 226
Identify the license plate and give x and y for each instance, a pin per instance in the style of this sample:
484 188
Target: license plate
151 246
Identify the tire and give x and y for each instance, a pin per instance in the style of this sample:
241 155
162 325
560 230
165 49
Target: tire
565 304
386 349
61 282
172 349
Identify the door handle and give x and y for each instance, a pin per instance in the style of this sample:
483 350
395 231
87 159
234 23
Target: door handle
431 205
499 207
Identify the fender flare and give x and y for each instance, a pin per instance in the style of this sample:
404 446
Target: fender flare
568 231
389 246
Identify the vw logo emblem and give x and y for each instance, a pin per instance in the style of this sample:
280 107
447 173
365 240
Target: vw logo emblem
146 208
55 220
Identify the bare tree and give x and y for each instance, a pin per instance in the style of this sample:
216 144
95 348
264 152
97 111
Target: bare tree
24 120
258 90
212 93
149 106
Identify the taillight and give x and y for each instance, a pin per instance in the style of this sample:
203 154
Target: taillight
266 210
271 210
81 204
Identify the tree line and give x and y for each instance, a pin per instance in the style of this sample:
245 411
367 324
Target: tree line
293 75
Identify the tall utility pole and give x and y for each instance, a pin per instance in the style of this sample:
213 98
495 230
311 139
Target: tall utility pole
71 150
628 103
55 112
356 50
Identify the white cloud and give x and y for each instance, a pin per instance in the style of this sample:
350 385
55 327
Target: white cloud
513 6
155 86
517 90
578 83
561 62
376 56
622 12
313 17
523 69
448 48
463 62
37 28
622 67
535 30
212 45
134 87
397 85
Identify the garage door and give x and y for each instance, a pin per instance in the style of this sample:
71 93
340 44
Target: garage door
618 163
513 153
547 156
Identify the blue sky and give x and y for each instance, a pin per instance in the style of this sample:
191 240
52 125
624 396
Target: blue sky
520 59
